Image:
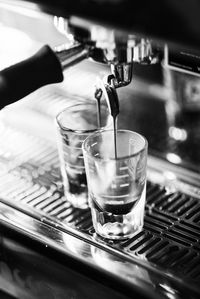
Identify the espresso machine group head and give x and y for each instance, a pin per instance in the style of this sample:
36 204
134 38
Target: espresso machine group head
84 39
113 47
117 33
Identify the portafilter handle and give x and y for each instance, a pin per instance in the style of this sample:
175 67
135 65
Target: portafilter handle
44 67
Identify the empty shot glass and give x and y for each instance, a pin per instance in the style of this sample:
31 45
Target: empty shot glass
117 186
74 124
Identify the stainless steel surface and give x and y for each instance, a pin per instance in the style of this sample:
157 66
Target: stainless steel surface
162 260
170 20
111 46
70 55
106 87
165 253
85 39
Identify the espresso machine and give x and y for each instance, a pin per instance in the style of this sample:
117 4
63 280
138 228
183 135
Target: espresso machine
144 58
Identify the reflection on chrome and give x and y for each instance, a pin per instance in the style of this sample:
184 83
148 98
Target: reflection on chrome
178 134
173 158
169 291
169 175
76 245
113 263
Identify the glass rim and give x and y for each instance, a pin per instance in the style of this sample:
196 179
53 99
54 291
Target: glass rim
118 158
78 131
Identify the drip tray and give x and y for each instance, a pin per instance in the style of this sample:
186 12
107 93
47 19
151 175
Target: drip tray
166 252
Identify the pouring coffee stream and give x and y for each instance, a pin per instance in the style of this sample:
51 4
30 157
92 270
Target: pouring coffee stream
108 89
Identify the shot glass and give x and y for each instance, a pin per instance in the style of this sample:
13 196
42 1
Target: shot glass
74 124
183 103
116 185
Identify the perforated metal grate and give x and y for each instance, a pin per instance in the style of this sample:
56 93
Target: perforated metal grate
30 180
170 239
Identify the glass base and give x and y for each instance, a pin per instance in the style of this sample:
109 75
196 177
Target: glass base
119 227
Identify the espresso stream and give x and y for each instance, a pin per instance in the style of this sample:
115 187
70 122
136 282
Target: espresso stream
113 104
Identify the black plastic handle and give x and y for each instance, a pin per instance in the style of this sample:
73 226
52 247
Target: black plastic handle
21 79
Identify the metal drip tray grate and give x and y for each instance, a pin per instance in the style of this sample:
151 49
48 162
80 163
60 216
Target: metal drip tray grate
30 178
